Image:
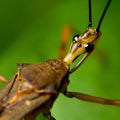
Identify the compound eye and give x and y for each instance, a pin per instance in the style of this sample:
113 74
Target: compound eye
89 47
75 37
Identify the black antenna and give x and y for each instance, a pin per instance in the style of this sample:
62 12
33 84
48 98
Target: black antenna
103 14
90 14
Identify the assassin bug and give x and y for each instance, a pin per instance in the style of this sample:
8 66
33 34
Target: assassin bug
35 87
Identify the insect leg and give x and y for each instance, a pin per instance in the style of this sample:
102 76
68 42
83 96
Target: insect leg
6 90
3 79
93 99
49 116
67 31
64 40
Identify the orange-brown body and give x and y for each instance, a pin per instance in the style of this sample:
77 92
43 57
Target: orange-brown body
31 82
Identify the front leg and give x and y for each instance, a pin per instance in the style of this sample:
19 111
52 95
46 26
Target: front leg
93 99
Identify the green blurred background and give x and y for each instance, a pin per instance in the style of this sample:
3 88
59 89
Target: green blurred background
30 32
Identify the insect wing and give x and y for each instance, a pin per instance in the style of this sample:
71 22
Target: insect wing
21 107
19 111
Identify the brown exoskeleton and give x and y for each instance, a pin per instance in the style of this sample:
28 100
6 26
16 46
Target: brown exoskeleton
35 87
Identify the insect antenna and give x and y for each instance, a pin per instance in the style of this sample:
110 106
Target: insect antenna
103 14
89 26
90 15
85 43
